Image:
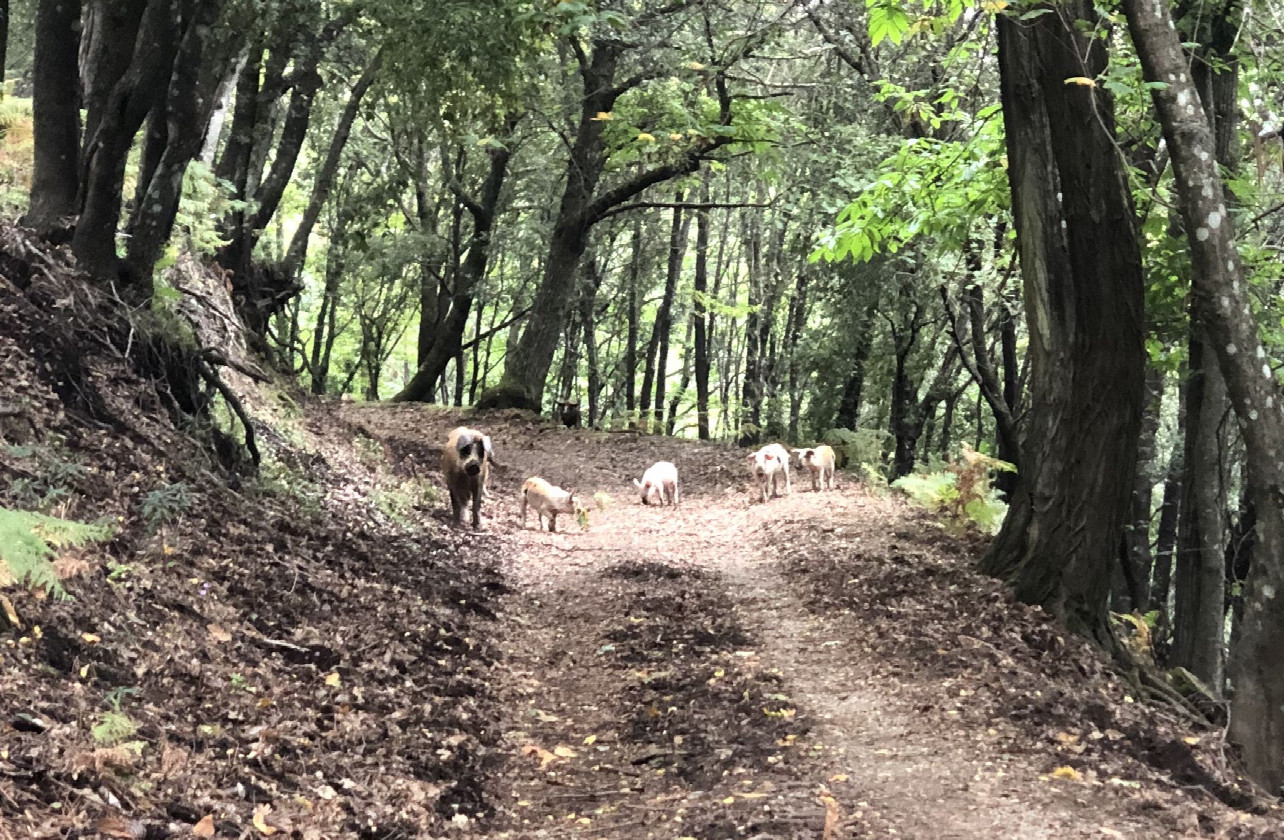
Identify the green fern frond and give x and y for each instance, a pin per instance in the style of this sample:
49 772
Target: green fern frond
28 542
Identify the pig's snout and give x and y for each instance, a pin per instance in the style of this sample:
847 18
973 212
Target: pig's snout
472 468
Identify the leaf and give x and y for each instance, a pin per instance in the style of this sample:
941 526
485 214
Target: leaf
590 740
1190 739
603 116
332 679
1082 81
994 6
1066 772
643 137
1034 13
204 828
218 634
545 757
260 820
91 638
115 827
563 751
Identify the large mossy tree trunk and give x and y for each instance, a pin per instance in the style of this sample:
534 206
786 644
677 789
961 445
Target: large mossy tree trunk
1081 266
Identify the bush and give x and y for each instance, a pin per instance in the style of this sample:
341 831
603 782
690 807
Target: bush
962 492
858 447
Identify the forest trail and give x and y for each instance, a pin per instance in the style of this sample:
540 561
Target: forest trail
822 665
852 734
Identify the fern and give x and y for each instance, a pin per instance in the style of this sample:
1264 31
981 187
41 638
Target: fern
962 492
28 542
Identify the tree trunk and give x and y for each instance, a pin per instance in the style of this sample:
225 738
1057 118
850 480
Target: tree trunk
593 277
634 324
1135 561
449 339
199 67
1199 584
324 181
133 96
55 118
4 41
1169 516
1083 298
664 317
1221 299
701 309
751 389
110 30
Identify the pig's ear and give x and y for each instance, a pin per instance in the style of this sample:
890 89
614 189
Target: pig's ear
767 456
750 456
637 484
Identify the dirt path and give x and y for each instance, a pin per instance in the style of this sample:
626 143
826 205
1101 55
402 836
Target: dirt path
856 737
821 666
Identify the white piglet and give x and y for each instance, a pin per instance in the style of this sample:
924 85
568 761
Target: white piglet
820 462
661 480
769 465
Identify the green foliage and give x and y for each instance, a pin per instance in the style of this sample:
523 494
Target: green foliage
927 187
858 447
114 727
276 479
400 502
164 505
602 500
205 202
52 480
29 542
962 493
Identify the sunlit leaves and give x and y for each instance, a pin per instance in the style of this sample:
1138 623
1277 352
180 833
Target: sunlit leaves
926 187
887 21
892 20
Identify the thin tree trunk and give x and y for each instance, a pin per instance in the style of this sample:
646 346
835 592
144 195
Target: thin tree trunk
1169 519
448 342
199 66
132 97
664 317
701 310
634 325
1132 586
1199 585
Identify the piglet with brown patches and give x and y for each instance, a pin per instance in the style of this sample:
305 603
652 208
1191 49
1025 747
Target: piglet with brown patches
547 500
820 462
769 465
660 481
465 464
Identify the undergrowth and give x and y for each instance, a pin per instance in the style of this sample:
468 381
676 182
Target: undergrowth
962 492
29 543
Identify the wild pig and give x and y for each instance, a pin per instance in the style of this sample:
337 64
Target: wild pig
820 462
547 500
660 480
465 464
568 411
769 465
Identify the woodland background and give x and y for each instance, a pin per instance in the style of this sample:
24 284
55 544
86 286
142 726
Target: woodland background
1049 233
